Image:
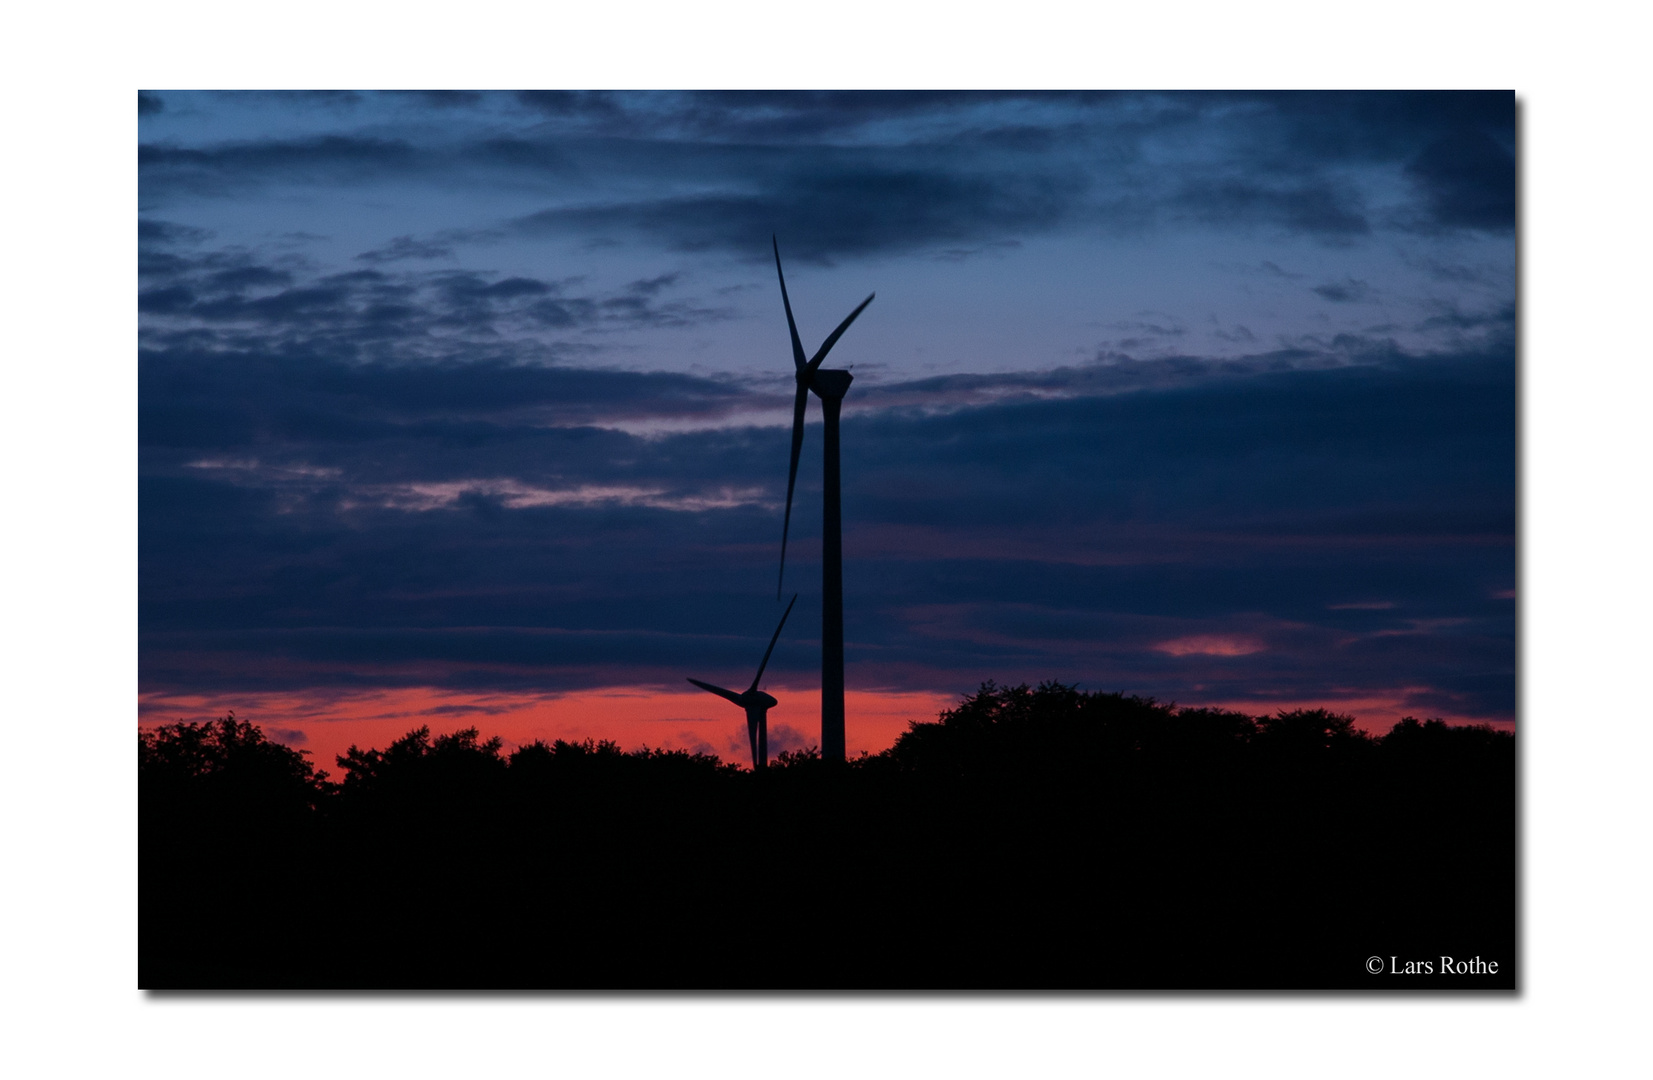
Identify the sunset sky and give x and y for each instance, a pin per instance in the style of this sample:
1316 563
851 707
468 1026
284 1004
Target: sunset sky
471 409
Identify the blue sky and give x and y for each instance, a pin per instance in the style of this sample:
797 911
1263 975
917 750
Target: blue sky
1209 397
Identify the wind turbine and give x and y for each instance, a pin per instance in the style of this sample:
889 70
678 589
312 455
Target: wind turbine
830 385
756 703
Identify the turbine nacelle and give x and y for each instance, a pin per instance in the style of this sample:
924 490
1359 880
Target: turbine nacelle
831 383
751 699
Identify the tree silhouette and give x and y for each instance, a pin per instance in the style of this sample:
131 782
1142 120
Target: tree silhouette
1310 731
1029 837
227 764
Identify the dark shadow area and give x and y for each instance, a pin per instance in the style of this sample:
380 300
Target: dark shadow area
1031 839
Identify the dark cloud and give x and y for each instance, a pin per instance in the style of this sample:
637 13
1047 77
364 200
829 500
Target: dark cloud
1454 273
165 301
326 99
203 401
851 173
600 104
166 169
1113 372
1457 147
787 116
1321 208
838 211
438 99
1353 126
234 300
149 104
1318 421
1079 535
407 247
1456 325
1467 180
1343 292
1286 127
542 157
152 232
650 286
248 277
310 523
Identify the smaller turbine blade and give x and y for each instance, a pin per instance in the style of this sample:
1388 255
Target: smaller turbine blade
797 346
718 690
832 338
799 404
771 648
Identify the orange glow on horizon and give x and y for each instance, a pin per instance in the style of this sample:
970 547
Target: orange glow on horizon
327 723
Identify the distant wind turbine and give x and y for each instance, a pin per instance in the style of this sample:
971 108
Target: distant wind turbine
830 385
756 703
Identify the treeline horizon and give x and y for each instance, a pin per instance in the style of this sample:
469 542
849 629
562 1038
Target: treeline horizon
1164 847
226 730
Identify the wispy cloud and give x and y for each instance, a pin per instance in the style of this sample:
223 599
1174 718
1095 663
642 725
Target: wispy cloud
1211 645
515 495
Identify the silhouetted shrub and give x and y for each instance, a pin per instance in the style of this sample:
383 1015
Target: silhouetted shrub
807 758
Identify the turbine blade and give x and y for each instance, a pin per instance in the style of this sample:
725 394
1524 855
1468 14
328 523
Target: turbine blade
771 648
718 690
832 338
798 405
797 346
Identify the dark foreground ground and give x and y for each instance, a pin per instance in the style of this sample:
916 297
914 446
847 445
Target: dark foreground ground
1030 840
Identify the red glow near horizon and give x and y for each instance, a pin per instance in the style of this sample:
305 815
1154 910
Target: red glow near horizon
329 723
